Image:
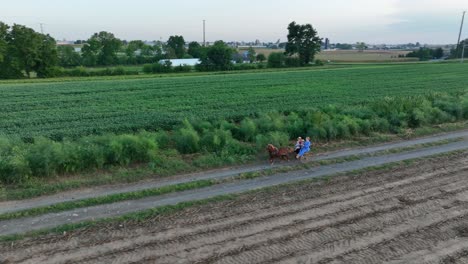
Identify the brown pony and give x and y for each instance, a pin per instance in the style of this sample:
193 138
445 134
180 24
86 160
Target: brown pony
281 153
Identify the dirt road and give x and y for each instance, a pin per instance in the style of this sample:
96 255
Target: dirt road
411 214
12 206
51 220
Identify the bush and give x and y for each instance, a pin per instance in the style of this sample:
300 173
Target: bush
292 62
183 68
187 139
319 62
244 66
279 139
148 68
216 140
276 60
248 129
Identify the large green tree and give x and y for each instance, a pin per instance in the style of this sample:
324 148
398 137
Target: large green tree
3 41
177 44
47 57
361 46
218 57
304 41
23 48
101 49
68 57
196 50
24 51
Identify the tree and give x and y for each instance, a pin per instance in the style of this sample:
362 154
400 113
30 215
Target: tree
251 54
218 58
23 48
177 44
6 69
101 49
3 41
343 46
261 57
196 50
68 57
438 53
361 46
23 51
423 54
304 41
47 57
131 49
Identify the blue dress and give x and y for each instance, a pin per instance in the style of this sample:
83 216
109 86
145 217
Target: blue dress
305 149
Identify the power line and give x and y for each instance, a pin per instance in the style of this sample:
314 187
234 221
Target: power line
42 28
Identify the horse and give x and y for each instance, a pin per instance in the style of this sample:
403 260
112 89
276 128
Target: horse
281 153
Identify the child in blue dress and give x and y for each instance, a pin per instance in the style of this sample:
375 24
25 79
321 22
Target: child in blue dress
305 148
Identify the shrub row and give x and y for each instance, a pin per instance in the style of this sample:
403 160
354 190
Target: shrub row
45 157
165 68
81 71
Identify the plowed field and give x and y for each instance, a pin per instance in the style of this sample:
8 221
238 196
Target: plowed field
410 214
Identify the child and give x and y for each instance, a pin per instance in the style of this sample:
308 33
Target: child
299 144
304 149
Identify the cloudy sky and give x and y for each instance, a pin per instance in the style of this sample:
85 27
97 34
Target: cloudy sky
371 21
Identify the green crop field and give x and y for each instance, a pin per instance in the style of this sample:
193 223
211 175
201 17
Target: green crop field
76 108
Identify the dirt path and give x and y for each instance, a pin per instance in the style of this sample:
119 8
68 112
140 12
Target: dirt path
12 206
411 214
109 210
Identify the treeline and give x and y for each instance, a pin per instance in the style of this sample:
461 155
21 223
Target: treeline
425 54
223 142
24 52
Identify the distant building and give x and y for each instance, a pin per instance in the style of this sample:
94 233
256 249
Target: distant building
327 44
181 62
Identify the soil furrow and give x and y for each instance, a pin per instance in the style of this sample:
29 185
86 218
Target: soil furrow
296 223
206 232
413 214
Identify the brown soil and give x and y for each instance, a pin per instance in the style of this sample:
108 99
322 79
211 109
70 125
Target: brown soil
413 214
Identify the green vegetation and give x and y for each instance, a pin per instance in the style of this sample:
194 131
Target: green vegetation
304 41
74 109
224 142
424 54
24 51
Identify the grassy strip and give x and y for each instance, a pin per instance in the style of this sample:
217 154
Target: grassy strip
138 216
60 207
168 209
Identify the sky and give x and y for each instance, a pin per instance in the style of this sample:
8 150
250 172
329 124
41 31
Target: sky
343 21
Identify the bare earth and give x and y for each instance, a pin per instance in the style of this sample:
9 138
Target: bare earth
412 214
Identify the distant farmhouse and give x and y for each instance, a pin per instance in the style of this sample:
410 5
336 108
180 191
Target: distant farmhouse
182 62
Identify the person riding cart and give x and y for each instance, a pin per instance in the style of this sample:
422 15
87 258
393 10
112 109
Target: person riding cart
305 148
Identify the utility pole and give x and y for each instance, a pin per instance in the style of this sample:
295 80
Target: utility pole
204 42
459 34
42 29
463 51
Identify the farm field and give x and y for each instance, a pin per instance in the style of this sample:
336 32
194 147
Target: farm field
408 214
365 56
77 108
